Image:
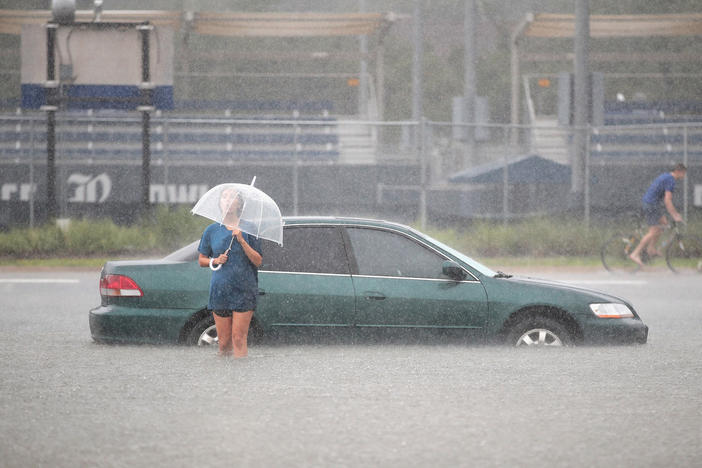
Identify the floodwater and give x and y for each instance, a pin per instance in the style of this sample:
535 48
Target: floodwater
66 401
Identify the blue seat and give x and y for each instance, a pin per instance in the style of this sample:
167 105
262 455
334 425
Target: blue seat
662 155
636 139
257 105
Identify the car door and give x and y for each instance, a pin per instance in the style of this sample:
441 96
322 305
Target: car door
307 281
399 283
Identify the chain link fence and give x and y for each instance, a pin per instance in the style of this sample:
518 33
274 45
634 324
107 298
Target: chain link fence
407 171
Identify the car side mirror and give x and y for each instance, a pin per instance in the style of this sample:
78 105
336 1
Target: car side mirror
453 270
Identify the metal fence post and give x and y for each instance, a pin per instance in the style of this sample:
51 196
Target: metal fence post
165 129
146 90
51 106
422 175
295 174
588 137
685 161
505 190
31 172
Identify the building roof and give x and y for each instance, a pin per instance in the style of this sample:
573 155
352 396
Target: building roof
551 25
528 169
221 23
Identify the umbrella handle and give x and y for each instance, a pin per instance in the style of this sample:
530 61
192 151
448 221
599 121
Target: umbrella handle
215 268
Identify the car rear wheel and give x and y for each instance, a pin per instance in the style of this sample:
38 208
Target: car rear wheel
203 333
539 332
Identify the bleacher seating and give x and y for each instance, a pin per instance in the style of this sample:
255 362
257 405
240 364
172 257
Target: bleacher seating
257 106
115 135
649 130
655 112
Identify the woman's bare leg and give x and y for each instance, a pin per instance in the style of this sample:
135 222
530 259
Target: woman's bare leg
224 333
240 332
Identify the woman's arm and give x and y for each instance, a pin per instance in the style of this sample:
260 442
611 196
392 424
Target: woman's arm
204 260
253 256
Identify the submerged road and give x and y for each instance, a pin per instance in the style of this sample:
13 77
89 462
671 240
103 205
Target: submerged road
66 401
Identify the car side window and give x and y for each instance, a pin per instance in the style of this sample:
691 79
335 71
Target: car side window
307 249
385 253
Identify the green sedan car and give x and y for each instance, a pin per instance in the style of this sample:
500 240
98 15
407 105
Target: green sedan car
360 277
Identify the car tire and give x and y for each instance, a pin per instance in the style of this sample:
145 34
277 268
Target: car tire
539 332
203 333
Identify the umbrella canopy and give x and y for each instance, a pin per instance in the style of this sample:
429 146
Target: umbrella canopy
244 207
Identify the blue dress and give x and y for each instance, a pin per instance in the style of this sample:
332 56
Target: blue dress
235 285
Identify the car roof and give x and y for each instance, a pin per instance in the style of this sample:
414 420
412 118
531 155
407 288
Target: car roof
292 220
357 221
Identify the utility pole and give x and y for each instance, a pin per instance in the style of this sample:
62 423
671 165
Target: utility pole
147 90
417 111
469 80
363 78
417 36
581 105
51 106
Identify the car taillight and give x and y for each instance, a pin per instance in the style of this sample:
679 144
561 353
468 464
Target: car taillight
119 285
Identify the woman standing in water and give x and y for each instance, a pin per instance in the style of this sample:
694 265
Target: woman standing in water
235 256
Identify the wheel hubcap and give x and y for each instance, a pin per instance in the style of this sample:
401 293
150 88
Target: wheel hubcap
208 337
539 337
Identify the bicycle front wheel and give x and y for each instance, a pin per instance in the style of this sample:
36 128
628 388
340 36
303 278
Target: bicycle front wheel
684 254
615 253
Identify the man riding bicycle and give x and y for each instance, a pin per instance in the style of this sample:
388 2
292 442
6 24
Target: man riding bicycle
658 195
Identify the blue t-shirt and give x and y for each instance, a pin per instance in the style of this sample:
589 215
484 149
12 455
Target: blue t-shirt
655 193
235 285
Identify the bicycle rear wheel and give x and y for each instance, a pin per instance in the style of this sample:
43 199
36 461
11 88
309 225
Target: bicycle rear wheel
684 255
615 253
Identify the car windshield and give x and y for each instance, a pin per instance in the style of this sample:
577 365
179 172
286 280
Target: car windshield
461 256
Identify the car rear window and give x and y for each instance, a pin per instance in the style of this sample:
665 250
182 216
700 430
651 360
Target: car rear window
307 249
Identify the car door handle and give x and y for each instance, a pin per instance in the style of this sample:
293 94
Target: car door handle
261 292
374 295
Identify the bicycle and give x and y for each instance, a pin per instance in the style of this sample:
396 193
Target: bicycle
682 252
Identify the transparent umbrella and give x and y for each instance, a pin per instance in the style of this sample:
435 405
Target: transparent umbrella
244 207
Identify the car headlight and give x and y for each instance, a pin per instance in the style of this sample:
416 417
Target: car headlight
611 310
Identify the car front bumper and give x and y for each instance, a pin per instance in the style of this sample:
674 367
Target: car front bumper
615 331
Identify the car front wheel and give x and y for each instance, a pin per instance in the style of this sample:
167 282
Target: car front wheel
539 332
